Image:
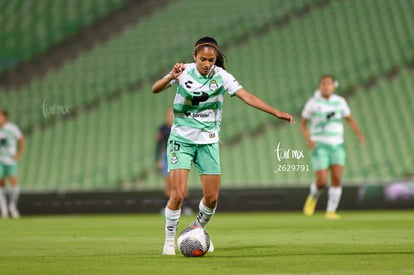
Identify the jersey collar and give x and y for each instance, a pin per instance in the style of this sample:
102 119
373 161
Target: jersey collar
197 73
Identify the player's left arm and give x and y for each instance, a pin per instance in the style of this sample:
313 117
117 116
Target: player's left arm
21 142
354 126
258 103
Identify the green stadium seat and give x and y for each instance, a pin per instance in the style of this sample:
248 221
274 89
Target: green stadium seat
110 146
31 27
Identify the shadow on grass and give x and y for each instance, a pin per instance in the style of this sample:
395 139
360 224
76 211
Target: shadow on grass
270 251
228 252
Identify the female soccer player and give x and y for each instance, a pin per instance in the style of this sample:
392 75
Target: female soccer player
325 111
11 150
195 132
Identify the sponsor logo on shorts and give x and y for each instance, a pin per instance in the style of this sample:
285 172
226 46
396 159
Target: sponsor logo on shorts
174 158
212 135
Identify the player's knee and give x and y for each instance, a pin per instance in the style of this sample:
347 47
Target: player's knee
177 196
211 200
13 181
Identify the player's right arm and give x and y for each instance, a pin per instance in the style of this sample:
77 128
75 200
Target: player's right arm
306 115
306 134
163 83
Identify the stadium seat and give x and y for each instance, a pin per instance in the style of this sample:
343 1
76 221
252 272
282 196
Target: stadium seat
111 145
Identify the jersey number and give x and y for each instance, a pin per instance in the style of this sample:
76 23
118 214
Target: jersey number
174 146
199 97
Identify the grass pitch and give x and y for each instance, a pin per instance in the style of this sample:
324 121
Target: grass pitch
375 242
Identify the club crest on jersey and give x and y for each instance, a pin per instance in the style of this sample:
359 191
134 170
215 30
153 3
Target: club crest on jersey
174 158
213 85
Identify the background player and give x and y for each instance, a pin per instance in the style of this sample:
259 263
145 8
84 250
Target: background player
11 150
194 134
326 110
161 158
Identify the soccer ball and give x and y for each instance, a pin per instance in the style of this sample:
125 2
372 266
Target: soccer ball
193 242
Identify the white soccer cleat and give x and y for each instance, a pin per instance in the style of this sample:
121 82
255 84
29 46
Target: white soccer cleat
169 248
211 248
14 212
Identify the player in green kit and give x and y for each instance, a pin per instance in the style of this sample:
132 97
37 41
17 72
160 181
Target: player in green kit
195 132
326 110
11 151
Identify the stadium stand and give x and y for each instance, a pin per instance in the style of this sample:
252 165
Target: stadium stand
384 115
277 49
127 59
30 27
296 57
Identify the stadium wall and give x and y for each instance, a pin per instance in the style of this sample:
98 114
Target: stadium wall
373 196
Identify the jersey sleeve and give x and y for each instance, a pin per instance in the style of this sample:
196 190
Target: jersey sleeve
231 85
16 131
175 81
307 110
346 111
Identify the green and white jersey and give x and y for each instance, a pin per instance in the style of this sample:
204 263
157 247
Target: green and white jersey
326 118
9 134
198 104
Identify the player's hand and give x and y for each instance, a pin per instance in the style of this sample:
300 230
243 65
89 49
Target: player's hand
17 156
286 116
177 70
361 138
310 144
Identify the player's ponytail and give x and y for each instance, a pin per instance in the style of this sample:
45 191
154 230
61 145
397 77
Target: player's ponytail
212 43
